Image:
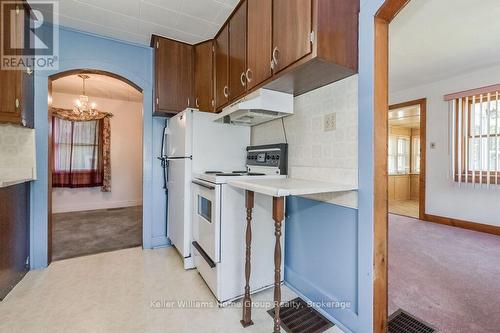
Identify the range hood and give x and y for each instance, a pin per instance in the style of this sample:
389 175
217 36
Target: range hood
261 106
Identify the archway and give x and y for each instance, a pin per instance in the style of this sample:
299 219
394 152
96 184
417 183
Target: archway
105 205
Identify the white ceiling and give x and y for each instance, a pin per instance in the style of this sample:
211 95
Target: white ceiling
97 86
435 39
190 21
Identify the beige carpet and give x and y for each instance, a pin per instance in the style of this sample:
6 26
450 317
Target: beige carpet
82 233
447 276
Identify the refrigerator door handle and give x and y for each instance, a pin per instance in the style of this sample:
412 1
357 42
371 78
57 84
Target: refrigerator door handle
172 158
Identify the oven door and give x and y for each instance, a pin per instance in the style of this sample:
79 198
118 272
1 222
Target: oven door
206 219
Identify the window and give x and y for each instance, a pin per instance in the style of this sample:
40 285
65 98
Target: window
476 138
399 155
77 147
415 154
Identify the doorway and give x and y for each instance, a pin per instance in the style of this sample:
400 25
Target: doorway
406 158
95 164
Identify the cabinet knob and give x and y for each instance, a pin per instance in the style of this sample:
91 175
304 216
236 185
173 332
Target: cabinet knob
197 104
189 102
226 91
242 79
17 103
249 75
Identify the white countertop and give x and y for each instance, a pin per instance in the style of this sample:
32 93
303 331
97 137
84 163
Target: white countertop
290 186
14 176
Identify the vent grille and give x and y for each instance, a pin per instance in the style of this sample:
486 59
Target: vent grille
403 322
298 317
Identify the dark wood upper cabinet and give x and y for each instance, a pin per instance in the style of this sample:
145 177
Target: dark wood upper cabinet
17 86
292 27
292 46
316 41
259 43
238 52
222 68
174 62
204 76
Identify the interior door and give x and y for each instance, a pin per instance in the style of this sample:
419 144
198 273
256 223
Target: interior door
238 52
204 76
222 68
292 26
259 43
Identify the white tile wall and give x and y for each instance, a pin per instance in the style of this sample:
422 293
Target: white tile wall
313 152
17 154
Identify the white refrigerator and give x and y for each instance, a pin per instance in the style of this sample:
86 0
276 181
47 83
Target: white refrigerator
196 143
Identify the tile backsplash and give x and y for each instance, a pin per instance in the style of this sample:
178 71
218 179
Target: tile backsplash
323 137
17 154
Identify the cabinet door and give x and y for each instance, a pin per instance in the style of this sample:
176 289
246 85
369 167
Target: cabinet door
238 52
292 26
204 76
10 80
222 68
259 43
174 70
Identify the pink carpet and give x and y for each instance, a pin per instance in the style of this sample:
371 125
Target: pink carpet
447 276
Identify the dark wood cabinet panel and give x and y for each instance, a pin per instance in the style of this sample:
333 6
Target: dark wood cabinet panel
238 52
292 27
259 43
17 86
14 235
204 76
174 76
222 68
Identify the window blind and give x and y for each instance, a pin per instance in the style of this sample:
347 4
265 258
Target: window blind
475 137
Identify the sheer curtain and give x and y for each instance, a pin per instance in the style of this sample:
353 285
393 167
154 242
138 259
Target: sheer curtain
78 153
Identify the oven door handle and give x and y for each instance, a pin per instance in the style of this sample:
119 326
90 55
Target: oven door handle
205 256
203 185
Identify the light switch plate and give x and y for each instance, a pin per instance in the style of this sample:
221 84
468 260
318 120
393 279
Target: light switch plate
330 122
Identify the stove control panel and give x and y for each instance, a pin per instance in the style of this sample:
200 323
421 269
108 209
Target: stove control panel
268 157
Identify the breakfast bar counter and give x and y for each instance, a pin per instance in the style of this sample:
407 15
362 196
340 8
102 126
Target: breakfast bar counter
278 189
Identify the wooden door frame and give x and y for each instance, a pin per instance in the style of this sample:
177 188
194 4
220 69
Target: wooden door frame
50 161
422 103
385 14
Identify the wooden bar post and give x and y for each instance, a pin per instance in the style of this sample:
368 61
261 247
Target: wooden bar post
278 216
247 302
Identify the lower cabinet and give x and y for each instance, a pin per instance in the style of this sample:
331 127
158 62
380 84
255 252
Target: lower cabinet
14 235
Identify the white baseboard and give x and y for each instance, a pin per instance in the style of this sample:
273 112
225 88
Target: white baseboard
82 206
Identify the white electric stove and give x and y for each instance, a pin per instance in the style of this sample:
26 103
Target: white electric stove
219 225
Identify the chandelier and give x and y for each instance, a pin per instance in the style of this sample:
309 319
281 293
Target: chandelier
82 105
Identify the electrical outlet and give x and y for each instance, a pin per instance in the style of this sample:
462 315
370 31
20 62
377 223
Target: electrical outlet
330 122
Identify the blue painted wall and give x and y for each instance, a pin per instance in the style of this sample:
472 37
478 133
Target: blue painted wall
329 249
81 50
321 255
